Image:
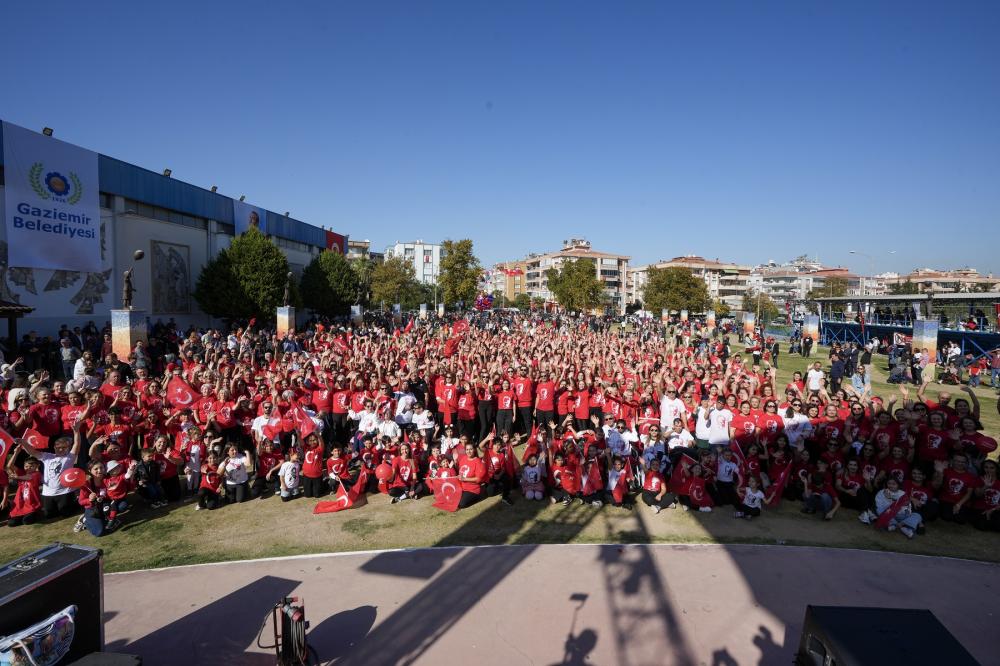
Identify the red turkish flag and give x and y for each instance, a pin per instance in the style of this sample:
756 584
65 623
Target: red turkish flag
592 481
180 394
408 327
510 462
779 487
303 422
447 493
6 444
459 327
741 461
677 479
36 439
270 432
346 499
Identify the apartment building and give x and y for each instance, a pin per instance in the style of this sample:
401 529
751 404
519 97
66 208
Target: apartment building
425 258
611 269
726 282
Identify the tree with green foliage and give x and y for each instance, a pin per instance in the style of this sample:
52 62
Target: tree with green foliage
831 288
391 279
522 302
329 285
576 286
761 305
414 293
364 269
721 308
460 272
674 289
245 280
906 287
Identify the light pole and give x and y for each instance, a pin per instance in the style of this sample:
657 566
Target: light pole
871 264
871 259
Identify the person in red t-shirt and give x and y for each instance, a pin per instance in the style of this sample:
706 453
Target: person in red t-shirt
43 416
524 389
472 474
743 428
269 461
168 460
654 489
545 397
506 401
406 482
312 466
337 467
986 506
468 417
210 488
27 506
955 488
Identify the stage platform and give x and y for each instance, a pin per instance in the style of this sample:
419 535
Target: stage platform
551 604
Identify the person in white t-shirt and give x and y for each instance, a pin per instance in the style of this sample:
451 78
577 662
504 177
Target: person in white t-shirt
671 407
423 420
236 470
814 378
679 437
718 424
57 499
753 501
288 475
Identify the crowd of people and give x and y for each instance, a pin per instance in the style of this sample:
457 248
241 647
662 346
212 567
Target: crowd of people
521 407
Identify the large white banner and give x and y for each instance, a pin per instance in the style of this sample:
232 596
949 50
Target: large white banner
246 216
52 208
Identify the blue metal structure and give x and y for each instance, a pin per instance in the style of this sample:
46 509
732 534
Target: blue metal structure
134 182
976 342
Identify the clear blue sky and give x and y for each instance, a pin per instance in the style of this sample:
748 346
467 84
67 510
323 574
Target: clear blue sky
745 131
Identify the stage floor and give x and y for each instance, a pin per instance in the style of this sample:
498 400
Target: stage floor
553 604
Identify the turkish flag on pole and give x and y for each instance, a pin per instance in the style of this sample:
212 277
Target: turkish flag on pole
346 498
628 473
447 493
883 521
592 481
510 462
179 393
6 444
303 422
677 480
741 461
36 439
779 486
621 485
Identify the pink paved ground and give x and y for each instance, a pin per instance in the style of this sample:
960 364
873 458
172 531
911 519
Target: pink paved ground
718 605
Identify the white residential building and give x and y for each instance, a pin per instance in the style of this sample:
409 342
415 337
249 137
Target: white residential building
425 258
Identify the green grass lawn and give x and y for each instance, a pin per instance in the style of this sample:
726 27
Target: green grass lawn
266 528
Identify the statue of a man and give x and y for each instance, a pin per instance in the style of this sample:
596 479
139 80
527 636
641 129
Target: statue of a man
127 289
288 290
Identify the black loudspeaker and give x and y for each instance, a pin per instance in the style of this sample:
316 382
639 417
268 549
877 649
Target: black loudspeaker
44 582
852 636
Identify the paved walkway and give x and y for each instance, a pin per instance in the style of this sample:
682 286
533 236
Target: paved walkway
634 605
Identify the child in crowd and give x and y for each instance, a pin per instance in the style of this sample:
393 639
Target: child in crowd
288 476
753 500
27 506
531 478
147 477
210 485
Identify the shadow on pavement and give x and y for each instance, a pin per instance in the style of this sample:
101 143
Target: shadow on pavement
215 632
